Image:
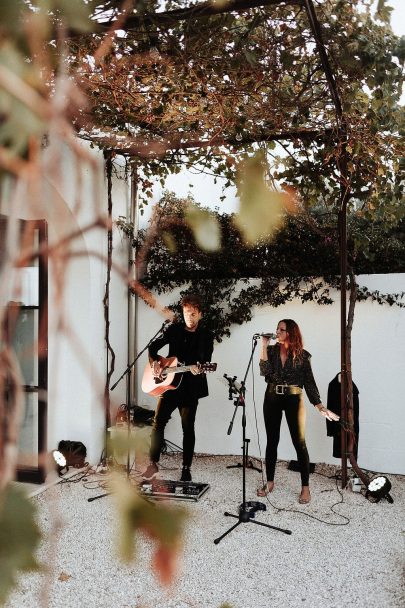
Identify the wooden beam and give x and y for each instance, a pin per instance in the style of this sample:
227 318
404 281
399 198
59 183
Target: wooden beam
158 148
205 9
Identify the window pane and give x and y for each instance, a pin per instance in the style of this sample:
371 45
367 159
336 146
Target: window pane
24 341
28 439
32 240
28 282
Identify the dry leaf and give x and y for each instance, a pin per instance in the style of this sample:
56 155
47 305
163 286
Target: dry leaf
160 522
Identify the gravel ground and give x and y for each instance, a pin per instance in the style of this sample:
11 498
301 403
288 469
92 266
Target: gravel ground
320 565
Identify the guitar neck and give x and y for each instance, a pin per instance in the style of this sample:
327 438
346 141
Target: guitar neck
177 370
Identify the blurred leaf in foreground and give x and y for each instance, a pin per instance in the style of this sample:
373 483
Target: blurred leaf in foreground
137 443
205 227
75 13
19 538
262 210
160 522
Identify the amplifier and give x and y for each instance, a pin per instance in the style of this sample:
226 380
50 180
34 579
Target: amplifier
164 489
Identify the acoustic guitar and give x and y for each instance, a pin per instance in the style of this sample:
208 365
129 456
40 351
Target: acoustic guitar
170 377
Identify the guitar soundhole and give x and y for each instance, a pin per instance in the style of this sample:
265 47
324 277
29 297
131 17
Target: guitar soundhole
158 380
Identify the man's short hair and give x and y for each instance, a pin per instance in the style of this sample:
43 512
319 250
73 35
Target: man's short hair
191 299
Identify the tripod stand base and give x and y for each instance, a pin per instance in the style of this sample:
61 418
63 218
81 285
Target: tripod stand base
248 465
247 512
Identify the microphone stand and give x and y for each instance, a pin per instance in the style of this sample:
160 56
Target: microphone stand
235 388
128 399
247 510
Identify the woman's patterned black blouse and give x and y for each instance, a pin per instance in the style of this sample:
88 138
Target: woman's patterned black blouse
297 374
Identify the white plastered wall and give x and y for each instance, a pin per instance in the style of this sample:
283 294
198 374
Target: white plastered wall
378 360
70 200
78 362
77 374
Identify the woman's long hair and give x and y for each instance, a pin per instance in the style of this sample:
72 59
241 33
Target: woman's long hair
295 343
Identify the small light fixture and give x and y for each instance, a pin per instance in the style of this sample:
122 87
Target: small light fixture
379 488
61 462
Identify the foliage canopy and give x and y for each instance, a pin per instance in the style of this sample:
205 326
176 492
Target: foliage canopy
205 85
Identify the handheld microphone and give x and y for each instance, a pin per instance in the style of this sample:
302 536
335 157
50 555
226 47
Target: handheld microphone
270 336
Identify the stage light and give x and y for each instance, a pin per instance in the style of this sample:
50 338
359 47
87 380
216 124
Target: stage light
60 461
379 488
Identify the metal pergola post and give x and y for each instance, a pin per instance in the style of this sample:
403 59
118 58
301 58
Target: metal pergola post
342 225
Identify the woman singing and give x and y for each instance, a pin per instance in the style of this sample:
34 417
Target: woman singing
286 367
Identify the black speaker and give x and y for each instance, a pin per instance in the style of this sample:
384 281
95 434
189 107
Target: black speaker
294 466
75 453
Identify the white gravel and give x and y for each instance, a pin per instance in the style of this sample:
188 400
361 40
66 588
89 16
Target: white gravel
317 566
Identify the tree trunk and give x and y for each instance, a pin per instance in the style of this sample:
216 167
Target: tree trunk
349 424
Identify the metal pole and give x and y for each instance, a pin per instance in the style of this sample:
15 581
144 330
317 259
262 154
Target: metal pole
110 354
342 221
343 337
132 274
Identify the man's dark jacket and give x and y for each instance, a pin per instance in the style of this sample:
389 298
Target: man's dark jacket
203 344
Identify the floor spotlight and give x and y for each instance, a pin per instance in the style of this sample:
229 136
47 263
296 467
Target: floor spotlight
61 462
379 488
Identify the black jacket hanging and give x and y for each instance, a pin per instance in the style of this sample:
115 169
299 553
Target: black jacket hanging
333 404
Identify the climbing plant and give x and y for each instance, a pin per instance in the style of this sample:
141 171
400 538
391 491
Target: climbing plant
301 261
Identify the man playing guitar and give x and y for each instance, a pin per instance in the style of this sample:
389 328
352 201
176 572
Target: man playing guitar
190 343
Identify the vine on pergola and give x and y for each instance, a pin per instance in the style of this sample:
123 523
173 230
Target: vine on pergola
179 88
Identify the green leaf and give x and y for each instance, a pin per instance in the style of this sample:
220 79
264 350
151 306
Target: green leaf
19 537
76 13
10 14
163 524
169 241
262 211
383 12
205 227
121 444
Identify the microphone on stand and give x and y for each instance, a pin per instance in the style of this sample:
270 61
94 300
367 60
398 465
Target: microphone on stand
268 335
166 324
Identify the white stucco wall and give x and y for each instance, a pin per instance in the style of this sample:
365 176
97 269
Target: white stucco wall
77 361
378 359
72 196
